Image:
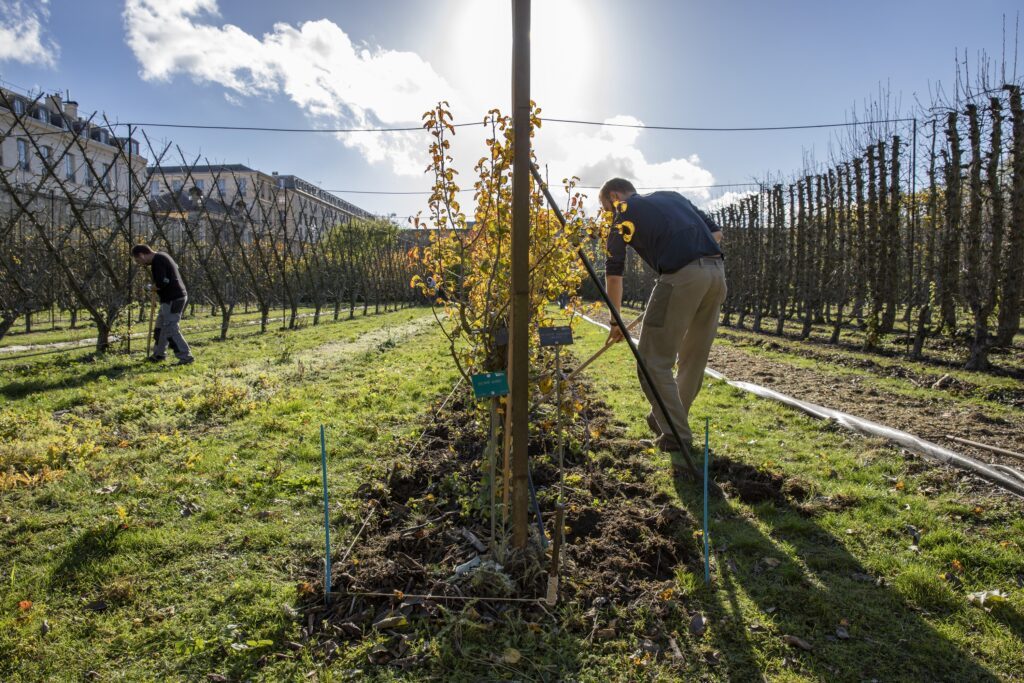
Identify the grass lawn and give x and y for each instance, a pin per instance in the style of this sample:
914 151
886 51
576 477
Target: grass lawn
158 518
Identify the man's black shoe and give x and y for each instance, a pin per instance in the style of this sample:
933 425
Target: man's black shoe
157 359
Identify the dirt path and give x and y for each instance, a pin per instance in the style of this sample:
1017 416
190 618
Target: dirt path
930 418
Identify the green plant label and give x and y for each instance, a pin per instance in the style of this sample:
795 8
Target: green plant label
487 384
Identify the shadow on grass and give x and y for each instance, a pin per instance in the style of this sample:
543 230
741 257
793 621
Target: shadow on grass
16 390
821 598
92 546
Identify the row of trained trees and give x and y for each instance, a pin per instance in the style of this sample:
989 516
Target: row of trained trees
65 243
918 230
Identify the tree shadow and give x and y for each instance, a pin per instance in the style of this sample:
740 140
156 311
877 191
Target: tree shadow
16 390
89 548
858 627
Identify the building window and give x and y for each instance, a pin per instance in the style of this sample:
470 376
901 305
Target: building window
106 176
19 107
45 153
176 185
241 186
23 155
222 186
69 167
154 188
200 185
44 114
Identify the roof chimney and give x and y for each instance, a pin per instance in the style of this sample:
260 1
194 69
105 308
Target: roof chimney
71 110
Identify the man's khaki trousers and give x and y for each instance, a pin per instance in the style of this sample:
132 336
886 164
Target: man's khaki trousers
679 326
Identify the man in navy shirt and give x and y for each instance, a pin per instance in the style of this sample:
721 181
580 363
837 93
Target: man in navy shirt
681 243
173 297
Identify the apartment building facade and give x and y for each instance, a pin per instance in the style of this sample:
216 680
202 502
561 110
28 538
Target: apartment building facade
44 144
286 201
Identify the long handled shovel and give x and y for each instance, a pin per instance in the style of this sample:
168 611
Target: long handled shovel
149 335
601 350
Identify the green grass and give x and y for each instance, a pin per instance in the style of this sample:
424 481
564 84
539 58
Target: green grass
185 502
202 322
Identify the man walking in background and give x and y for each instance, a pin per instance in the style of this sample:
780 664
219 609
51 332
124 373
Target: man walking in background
171 290
681 243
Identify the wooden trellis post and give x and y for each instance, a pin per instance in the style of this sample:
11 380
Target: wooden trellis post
519 331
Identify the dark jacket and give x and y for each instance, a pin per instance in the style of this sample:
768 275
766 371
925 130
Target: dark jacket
664 228
166 278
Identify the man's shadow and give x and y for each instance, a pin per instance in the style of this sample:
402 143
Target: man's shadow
858 627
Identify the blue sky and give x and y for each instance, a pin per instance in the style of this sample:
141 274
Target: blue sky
303 64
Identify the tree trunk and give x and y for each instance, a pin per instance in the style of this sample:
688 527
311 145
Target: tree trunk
225 320
973 245
1012 280
948 276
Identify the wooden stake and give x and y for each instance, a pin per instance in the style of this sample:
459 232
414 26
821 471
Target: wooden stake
519 330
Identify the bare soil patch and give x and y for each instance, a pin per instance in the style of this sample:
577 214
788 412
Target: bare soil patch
625 541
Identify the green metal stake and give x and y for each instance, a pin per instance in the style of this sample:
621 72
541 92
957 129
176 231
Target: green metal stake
327 519
707 457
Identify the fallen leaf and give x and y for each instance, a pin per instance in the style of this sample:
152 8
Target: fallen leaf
605 634
770 562
391 622
982 598
957 566
25 605
797 642
842 633
511 656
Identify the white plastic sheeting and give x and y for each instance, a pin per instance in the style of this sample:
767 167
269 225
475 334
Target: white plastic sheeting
1006 477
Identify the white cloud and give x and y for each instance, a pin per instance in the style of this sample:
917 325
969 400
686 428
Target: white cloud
597 154
727 198
336 83
22 38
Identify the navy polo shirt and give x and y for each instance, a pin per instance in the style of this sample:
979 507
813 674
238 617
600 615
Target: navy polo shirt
664 228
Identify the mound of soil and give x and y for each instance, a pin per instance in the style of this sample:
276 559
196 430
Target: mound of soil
426 546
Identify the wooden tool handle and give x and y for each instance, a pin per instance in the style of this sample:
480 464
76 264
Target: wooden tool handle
601 350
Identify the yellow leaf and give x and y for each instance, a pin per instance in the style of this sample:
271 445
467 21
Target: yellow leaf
628 229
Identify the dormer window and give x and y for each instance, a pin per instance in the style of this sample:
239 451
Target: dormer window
19 107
